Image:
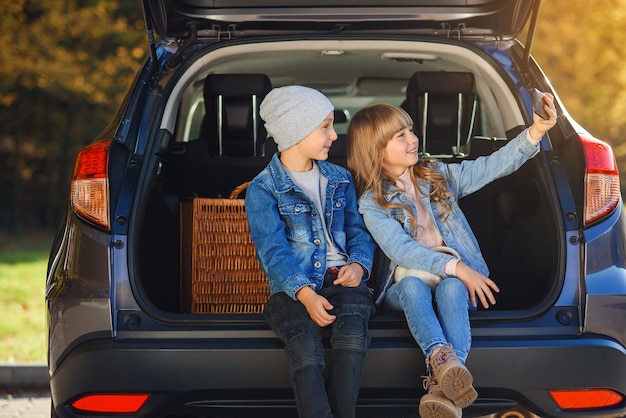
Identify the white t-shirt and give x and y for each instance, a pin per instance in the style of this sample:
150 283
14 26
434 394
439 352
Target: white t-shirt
314 186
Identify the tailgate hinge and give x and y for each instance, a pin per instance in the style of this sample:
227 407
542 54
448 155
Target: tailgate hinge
224 34
454 33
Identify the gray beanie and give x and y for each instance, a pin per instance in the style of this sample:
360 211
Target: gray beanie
291 113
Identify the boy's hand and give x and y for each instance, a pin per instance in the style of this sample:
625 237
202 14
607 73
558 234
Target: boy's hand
350 275
317 306
477 285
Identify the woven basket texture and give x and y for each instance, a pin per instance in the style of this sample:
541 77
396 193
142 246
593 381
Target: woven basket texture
227 277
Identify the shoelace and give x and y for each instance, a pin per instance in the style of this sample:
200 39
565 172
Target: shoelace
444 353
430 383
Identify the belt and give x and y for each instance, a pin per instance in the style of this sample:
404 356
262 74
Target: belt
332 270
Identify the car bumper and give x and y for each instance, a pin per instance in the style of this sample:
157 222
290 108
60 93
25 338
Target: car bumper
229 378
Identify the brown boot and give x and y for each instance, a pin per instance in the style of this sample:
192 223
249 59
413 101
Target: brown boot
454 379
434 404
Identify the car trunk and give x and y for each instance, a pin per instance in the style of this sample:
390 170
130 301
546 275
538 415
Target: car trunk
515 219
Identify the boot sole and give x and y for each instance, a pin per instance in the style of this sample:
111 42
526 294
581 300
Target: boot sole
456 385
436 409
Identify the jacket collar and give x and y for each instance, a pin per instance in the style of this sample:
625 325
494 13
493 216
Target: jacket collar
283 183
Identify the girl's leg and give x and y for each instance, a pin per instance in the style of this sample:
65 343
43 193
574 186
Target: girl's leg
452 301
413 297
447 362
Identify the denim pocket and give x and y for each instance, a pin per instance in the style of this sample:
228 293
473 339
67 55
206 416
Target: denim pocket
297 216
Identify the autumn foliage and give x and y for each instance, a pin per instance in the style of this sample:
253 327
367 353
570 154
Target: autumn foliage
66 64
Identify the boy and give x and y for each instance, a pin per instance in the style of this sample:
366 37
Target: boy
315 250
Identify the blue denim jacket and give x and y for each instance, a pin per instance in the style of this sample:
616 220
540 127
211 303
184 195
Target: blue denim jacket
288 233
391 229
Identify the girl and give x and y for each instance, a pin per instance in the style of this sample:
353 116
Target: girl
410 208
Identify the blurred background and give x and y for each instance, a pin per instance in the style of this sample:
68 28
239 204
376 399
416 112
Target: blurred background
66 64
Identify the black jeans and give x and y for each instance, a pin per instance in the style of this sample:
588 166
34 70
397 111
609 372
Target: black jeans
315 397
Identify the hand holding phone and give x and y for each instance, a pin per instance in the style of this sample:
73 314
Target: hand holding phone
538 104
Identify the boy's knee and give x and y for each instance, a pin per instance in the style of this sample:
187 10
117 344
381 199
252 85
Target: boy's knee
350 331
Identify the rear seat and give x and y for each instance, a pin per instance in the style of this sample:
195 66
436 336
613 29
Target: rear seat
444 107
230 150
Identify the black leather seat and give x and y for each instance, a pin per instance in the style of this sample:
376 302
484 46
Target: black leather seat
232 126
444 107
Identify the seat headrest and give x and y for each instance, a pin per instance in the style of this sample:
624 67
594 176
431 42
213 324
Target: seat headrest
441 82
442 105
232 124
234 85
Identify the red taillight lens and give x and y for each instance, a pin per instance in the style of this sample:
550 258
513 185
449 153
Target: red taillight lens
586 399
112 403
602 189
90 184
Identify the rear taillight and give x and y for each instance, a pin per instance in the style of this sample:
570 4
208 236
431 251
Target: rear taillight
602 189
113 403
581 399
90 184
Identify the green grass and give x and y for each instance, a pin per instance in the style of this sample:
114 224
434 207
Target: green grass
23 262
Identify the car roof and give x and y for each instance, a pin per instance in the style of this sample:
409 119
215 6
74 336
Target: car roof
495 19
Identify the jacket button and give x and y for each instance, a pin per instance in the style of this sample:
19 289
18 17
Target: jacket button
297 209
316 241
313 214
317 264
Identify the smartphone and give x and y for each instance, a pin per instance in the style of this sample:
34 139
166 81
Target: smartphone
538 104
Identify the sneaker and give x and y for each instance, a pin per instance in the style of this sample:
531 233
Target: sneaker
434 404
453 377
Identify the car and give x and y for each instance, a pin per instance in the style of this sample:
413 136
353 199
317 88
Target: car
154 307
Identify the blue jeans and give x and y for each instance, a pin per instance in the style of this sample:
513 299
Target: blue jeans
289 319
432 323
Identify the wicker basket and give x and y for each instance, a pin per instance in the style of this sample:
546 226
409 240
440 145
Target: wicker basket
220 271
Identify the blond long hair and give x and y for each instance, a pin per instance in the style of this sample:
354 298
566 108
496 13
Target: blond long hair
369 132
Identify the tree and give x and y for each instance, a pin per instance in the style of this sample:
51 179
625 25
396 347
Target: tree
66 64
67 68
578 43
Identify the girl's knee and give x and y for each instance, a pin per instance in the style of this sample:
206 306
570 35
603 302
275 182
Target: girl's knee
452 288
413 287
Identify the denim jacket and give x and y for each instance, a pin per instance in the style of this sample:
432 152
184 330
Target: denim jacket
391 229
288 233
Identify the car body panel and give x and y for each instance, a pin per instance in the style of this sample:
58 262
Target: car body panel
77 293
